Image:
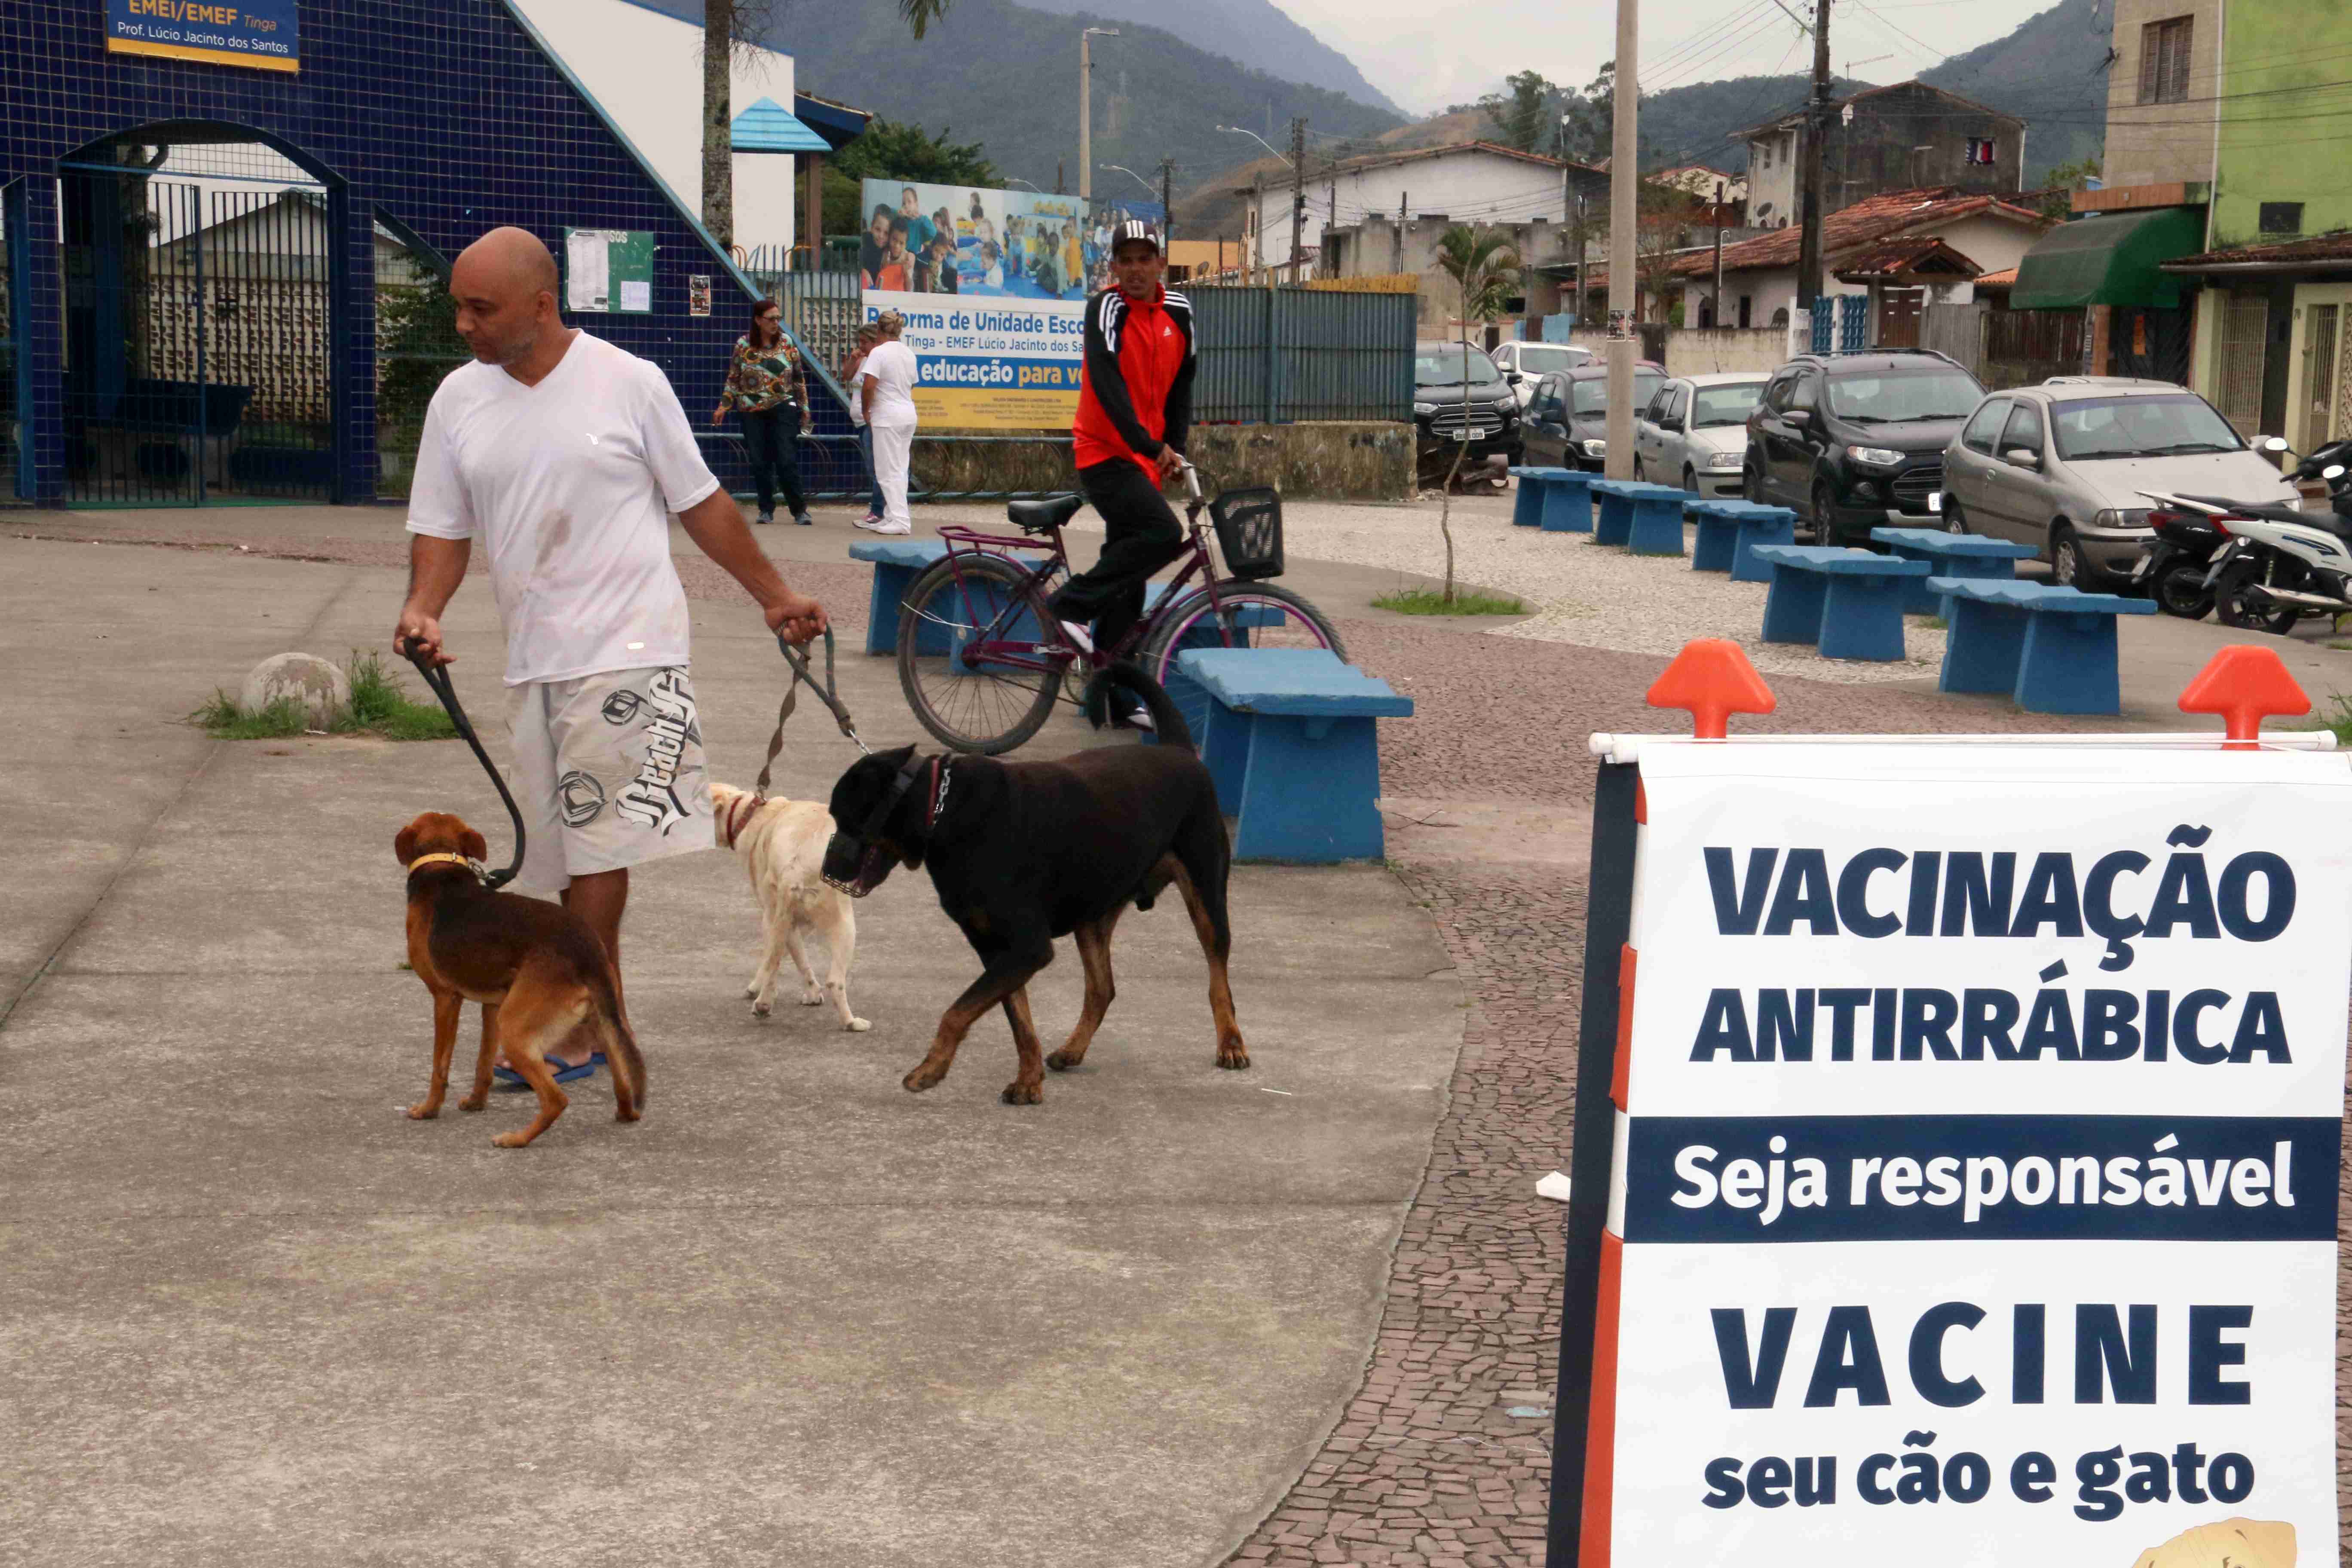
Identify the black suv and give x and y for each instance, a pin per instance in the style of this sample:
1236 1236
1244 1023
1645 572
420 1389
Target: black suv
1459 399
1856 441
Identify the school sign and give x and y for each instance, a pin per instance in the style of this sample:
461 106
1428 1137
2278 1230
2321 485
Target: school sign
1977 1110
262 34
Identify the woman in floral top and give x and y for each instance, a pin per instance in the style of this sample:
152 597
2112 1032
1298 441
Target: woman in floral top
766 383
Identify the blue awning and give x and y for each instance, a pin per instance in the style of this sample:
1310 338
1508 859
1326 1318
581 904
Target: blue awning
836 122
768 127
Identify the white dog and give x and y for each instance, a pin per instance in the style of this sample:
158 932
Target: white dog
783 844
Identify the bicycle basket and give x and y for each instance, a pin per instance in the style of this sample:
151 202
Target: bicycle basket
1249 531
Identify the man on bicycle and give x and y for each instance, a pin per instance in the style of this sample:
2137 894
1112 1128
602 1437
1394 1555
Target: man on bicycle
1135 409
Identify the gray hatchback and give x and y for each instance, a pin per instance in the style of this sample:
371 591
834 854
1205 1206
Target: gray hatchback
2062 467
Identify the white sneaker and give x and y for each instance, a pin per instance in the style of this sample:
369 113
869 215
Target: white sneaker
891 528
874 524
1078 635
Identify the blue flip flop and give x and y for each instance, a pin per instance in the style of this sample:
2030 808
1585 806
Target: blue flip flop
510 1080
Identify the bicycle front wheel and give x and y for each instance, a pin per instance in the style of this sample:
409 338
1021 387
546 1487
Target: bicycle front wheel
1244 614
960 611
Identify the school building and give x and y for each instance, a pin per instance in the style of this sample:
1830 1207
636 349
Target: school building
227 228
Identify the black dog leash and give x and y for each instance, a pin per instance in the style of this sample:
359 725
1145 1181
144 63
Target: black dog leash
436 677
825 693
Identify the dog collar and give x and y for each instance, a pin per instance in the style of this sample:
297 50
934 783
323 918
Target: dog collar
446 857
734 829
939 781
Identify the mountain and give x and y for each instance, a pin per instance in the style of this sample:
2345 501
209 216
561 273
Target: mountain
1272 41
1007 76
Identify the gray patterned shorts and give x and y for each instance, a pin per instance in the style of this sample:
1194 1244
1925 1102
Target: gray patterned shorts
609 773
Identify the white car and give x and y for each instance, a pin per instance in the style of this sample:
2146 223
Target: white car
1525 363
1693 432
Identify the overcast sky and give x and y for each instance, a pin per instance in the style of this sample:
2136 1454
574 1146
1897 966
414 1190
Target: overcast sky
1426 54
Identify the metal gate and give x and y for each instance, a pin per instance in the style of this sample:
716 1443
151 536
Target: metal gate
2149 342
2245 323
197 362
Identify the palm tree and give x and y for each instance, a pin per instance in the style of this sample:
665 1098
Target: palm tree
1486 270
727 24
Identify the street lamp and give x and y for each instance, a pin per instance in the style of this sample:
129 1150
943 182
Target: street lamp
1011 180
1245 130
1149 188
1086 107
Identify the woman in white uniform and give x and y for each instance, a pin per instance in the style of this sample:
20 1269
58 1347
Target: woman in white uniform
887 386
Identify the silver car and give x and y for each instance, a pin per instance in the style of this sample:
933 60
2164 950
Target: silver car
1524 363
1693 432
2062 467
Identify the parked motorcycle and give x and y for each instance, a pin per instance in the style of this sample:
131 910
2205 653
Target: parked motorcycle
2173 567
2275 563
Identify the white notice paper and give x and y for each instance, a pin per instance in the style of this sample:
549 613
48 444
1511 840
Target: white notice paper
636 294
586 270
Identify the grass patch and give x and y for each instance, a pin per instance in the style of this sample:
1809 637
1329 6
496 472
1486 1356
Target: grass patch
2335 714
1430 602
1933 622
380 706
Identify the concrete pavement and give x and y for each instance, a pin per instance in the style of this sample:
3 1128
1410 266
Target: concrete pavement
251 1313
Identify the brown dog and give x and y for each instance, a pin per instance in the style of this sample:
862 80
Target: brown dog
538 971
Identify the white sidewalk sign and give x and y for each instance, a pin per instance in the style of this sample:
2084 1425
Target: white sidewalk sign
1975 1187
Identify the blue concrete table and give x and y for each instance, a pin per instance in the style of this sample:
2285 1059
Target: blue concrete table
1646 519
1728 529
1952 555
2052 649
1528 508
1294 750
1567 501
1847 603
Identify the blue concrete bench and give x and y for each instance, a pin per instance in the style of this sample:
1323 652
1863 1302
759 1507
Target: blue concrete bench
1727 532
1847 603
1567 500
1292 745
1528 508
1968 555
2051 649
1646 519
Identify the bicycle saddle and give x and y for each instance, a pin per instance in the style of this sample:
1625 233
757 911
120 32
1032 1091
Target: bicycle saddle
1044 516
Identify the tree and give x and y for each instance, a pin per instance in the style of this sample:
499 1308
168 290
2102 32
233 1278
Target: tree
729 25
890 149
1522 114
1593 117
1662 218
2065 179
1485 269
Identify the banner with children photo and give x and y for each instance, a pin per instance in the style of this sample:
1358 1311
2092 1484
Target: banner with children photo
993 285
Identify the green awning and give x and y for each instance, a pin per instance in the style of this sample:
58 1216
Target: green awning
2110 259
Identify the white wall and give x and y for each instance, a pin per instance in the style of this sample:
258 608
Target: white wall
645 69
1467 187
1773 183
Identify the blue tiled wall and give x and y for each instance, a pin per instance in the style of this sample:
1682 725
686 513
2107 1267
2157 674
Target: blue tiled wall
443 114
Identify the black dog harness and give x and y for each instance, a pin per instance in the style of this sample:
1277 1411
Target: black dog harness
941 778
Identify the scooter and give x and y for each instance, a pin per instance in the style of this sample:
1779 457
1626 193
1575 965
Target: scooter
2279 564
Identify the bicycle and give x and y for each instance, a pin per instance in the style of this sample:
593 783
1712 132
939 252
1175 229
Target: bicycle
982 660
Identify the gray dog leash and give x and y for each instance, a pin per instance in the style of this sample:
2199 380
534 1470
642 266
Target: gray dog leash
825 691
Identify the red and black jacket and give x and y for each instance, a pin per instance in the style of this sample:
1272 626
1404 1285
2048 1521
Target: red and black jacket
1135 388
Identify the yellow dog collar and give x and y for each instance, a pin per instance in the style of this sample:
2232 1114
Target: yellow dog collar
444 857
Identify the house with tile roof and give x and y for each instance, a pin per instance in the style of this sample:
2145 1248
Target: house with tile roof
1904 249
1883 140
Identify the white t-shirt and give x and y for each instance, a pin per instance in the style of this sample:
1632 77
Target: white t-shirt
892 366
570 484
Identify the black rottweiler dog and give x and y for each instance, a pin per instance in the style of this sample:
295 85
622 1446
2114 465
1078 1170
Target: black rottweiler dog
1025 852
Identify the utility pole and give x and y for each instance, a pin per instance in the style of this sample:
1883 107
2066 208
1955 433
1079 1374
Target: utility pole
1086 108
1624 195
1298 196
1167 201
1253 225
1402 198
1718 253
1817 129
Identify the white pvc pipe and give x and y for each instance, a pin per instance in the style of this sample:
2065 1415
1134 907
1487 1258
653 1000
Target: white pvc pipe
1611 748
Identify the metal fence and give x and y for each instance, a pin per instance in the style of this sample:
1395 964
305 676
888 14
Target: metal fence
1276 355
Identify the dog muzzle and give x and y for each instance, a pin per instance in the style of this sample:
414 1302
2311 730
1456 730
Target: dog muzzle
853 866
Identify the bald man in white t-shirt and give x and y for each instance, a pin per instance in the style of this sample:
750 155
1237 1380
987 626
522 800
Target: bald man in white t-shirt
567 457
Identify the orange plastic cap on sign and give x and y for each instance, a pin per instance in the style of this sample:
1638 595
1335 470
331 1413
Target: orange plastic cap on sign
2244 684
1712 678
